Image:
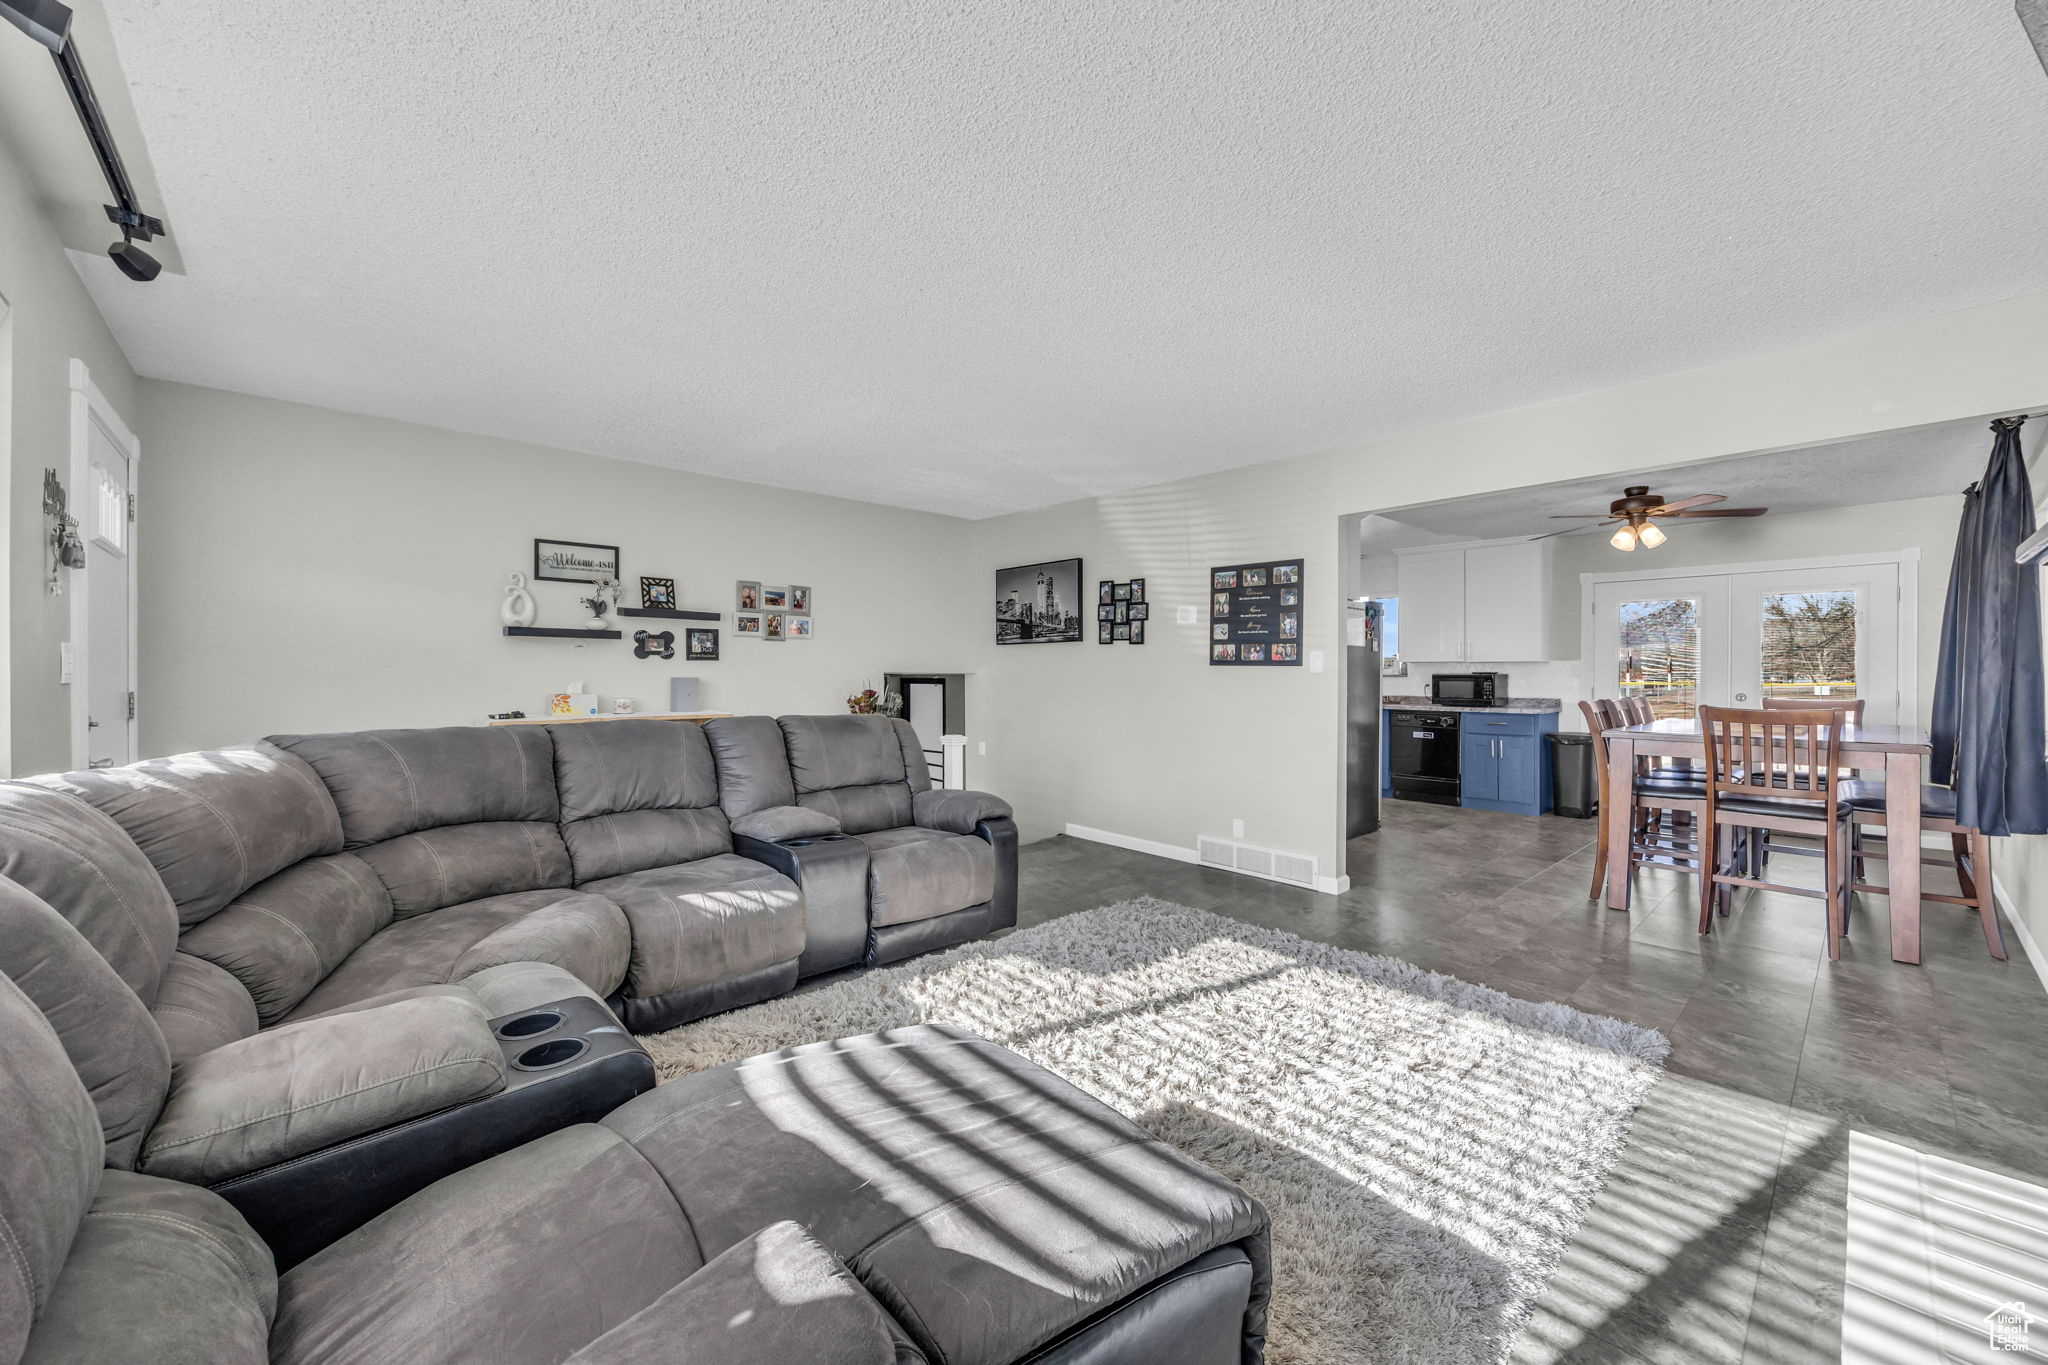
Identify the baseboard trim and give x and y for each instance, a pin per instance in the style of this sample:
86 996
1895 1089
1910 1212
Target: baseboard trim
2019 928
1328 886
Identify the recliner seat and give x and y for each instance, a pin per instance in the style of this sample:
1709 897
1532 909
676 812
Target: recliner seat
958 1205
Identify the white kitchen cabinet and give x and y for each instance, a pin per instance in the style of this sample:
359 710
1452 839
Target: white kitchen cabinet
1433 605
1481 603
1507 602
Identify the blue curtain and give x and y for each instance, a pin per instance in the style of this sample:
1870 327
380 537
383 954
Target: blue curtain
1988 721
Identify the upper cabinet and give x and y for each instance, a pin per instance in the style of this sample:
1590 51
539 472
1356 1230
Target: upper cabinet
1480 603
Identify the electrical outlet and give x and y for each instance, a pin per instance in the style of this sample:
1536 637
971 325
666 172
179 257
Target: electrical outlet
1237 829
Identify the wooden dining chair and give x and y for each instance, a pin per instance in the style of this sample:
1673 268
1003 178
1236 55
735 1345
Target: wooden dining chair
1773 769
1970 851
1654 791
1852 705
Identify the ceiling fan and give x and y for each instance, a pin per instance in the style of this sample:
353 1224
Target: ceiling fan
1639 510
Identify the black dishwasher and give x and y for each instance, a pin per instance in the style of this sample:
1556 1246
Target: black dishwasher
1422 755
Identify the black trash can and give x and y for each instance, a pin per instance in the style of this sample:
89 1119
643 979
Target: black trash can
1574 786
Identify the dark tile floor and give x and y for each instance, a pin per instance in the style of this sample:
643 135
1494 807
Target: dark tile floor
1719 1235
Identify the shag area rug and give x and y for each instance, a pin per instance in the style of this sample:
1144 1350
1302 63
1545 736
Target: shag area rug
1426 1146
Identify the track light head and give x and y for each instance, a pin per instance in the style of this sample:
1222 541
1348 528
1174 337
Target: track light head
135 263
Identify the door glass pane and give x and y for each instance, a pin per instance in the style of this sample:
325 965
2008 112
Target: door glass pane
1809 645
1660 653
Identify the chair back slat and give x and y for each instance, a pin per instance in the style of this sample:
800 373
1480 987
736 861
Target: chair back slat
1852 705
1638 710
1773 752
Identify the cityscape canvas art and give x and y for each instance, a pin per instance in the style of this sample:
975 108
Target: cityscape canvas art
1039 604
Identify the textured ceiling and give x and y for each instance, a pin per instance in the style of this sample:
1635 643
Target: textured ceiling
1890 468
1002 253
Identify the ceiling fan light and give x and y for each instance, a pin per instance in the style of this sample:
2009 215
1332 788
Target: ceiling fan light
1651 535
1624 538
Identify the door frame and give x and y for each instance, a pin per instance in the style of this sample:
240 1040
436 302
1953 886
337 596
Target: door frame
89 405
1907 646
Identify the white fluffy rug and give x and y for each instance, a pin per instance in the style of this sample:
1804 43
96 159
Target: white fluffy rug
1426 1146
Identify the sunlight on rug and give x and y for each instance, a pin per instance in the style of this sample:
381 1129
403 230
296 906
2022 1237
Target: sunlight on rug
1426 1146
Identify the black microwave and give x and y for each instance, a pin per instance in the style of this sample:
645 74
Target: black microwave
1468 689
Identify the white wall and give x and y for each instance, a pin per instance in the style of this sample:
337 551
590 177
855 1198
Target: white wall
1148 741
53 321
311 570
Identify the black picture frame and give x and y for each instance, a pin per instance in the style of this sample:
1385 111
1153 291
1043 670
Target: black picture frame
1040 604
1138 630
1137 589
700 646
1103 591
561 554
1119 592
1105 611
1104 633
1255 614
658 592
1140 611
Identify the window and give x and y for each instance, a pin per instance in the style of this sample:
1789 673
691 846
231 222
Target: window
1390 636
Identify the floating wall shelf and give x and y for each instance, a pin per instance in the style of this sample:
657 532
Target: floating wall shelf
557 633
669 613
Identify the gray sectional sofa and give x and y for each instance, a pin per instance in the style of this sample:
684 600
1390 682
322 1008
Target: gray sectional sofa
308 1053
365 912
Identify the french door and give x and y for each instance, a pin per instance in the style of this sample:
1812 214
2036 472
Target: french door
1831 633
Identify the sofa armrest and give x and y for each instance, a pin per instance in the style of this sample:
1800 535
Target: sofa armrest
301 1087
776 1297
832 873
785 822
956 811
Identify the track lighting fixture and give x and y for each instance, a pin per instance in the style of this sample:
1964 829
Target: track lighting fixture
49 23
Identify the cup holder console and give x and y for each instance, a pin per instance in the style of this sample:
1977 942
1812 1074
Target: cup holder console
798 843
553 1053
530 1025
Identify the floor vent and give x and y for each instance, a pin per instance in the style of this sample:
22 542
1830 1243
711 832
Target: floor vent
1253 860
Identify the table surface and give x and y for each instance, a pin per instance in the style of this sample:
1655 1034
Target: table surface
1878 738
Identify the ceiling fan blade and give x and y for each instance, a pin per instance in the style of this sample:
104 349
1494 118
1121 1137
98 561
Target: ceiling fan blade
1697 500
1582 516
1719 512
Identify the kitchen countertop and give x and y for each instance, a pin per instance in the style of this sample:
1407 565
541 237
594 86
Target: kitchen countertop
1512 706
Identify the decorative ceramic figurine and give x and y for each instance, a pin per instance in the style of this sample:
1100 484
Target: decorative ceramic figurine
517 609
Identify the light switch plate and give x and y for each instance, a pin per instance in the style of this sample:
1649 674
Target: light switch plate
1315 661
1184 615
66 661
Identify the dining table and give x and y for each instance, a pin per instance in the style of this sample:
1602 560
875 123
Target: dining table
1898 750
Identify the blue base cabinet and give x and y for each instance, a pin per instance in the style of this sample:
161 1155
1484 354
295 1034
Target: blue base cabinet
1504 761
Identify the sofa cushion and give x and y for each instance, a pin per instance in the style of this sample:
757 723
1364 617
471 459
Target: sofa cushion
862 809
776 1298
842 751
301 1087
448 865
106 1032
705 921
957 812
518 1260
428 950
917 766
988 1205
87 869
200 1007
50 1151
916 874
284 935
753 766
162 1273
776 823
215 823
583 934
637 794
391 782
